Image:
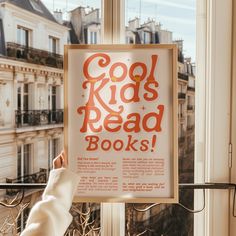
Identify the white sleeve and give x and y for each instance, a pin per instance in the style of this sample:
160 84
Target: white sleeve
50 216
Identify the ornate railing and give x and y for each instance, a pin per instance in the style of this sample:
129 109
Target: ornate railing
141 219
190 107
39 177
38 117
182 76
33 55
190 128
86 216
191 88
181 95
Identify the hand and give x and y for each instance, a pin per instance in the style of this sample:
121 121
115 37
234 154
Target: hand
60 161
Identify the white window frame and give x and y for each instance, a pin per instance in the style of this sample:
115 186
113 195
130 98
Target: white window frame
212 120
22 159
20 40
233 121
51 41
52 155
214 28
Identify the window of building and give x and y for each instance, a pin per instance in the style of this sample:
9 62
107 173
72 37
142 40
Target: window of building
52 102
146 37
93 37
24 160
52 97
129 40
166 22
24 36
23 103
54 44
53 151
23 91
36 6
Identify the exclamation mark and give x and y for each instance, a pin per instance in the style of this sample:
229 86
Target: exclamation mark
154 139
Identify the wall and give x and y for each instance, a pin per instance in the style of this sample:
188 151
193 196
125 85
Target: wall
42 28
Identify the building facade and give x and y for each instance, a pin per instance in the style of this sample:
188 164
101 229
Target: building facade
31 92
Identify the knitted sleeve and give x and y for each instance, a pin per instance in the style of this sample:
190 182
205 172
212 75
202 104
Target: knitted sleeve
51 216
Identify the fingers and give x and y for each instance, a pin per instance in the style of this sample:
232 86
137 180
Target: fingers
64 159
60 161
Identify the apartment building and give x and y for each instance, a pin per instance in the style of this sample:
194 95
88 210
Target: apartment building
31 91
85 25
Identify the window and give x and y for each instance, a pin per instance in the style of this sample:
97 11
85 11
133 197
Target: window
23 36
23 97
23 103
53 151
53 44
93 37
165 22
52 97
24 160
36 6
146 37
52 102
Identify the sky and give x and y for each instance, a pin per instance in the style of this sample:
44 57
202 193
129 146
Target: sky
178 16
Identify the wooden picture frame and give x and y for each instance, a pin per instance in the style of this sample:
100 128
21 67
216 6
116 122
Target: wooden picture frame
121 74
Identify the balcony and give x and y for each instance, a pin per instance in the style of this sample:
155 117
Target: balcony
181 95
182 76
191 89
33 55
39 177
38 117
190 108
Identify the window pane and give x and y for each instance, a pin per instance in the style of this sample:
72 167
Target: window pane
19 161
27 159
171 21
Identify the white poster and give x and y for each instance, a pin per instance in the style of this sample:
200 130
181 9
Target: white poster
120 122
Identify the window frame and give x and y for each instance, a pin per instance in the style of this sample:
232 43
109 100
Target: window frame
53 150
28 40
54 42
214 26
22 159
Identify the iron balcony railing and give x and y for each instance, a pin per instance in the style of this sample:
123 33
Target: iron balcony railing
181 95
38 117
86 216
190 107
33 55
35 178
182 76
191 88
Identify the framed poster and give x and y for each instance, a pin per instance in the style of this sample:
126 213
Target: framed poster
121 122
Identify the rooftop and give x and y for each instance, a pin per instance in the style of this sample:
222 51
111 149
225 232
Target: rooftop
33 6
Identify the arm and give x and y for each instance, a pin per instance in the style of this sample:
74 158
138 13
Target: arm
51 215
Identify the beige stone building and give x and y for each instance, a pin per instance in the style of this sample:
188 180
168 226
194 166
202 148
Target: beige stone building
31 93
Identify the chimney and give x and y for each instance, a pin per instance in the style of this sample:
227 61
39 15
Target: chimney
58 16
